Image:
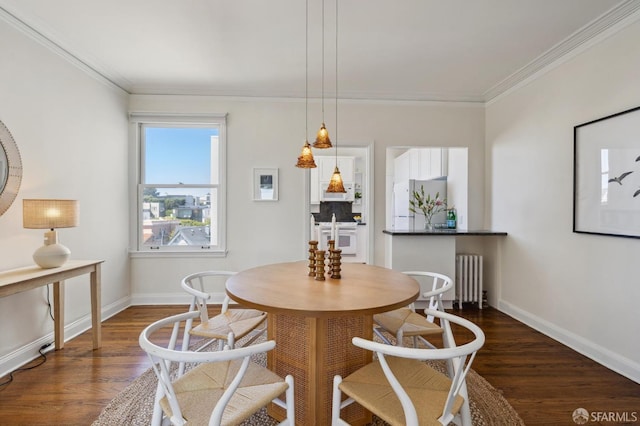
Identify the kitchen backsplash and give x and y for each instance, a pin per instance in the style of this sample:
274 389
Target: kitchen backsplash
342 210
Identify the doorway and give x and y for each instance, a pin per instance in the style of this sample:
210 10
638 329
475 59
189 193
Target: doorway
405 165
359 201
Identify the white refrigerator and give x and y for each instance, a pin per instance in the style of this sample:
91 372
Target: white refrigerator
402 193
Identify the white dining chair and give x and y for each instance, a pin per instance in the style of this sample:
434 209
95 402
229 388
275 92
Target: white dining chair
403 390
230 324
406 322
222 387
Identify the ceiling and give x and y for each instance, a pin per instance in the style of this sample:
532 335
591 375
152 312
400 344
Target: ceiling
423 50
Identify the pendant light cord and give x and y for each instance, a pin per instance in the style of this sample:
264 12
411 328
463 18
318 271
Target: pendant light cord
306 75
323 62
336 130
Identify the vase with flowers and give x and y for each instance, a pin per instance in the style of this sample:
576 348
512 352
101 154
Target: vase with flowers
427 205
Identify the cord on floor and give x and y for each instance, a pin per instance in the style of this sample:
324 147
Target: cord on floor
42 361
42 348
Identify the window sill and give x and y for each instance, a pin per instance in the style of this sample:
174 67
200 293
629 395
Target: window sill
177 254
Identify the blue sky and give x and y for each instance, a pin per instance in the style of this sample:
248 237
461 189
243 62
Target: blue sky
176 155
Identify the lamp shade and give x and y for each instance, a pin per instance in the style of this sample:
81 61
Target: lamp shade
50 214
305 160
335 184
322 139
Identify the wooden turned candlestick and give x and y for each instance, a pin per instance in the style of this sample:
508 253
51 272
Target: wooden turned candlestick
319 265
336 263
313 246
331 247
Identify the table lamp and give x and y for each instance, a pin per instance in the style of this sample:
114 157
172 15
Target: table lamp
50 214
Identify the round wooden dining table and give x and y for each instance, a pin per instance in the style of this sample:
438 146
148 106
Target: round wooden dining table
313 323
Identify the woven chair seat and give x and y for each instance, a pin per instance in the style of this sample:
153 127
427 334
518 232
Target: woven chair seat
411 323
238 321
370 388
199 390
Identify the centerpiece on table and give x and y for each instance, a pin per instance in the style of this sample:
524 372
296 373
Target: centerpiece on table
427 205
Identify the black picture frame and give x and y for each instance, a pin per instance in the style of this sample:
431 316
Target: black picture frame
606 175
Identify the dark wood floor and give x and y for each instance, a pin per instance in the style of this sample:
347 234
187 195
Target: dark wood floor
542 379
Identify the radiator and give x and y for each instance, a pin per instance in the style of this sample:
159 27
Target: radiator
469 279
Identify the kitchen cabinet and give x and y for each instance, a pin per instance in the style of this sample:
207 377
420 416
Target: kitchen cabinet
420 164
326 166
402 167
322 174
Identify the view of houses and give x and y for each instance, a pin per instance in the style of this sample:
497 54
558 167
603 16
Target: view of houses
176 220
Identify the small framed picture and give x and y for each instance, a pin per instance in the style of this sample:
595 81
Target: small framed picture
265 184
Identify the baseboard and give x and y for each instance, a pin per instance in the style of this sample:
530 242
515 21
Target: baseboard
599 354
83 324
24 354
170 299
29 352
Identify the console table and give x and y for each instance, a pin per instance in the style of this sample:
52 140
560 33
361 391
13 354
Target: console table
22 279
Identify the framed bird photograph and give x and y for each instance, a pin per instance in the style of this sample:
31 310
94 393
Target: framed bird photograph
606 175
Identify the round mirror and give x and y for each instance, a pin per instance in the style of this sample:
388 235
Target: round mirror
10 169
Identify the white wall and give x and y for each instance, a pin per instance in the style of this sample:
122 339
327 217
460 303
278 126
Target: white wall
71 131
270 133
457 181
581 289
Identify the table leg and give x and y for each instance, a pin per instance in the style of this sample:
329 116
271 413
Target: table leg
96 313
313 350
58 314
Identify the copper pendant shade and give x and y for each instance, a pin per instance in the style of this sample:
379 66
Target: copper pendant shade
305 160
322 139
336 184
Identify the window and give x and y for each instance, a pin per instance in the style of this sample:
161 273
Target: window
180 201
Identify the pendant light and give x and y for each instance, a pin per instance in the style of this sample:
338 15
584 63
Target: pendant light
305 160
336 184
322 139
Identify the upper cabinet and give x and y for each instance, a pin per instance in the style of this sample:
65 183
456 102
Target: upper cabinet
421 164
321 175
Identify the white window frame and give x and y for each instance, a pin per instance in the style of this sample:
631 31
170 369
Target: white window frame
136 122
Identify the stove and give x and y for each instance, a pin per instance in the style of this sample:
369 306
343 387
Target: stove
346 239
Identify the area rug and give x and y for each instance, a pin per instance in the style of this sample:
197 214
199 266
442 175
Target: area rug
134 405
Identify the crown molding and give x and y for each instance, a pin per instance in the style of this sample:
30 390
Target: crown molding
255 92
56 47
608 23
457 103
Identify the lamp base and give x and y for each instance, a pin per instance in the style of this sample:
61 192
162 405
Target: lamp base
51 256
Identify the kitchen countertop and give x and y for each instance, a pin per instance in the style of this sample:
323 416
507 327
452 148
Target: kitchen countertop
442 232
338 223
